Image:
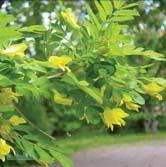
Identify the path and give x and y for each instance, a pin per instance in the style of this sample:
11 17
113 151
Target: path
151 154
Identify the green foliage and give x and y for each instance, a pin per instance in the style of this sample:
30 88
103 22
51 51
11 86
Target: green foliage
87 73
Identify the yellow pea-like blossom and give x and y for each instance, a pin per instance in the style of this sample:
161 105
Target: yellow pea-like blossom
127 100
70 18
15 50
15 120
132 106
62 100
113 117
60 62
129 104
154 90
4 149
7 96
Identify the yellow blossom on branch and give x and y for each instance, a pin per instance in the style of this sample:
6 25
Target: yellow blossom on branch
113 117
62 100
127 100
60 62
132 106
129 104
15 120
70 18
4 149
154 90
14 50
7 96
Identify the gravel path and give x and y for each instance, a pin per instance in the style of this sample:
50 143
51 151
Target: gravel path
151 154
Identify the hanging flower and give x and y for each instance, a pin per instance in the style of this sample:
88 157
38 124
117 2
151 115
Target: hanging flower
129 104
127 100
113 117
15 50
132 106
7 96
15 120
62 100
60 62
70 18
4 149
154 89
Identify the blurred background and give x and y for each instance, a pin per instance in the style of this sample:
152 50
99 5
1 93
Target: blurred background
149 31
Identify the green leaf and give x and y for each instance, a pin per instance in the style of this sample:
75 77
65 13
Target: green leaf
70 78
93 115
93 17
91 28
90 91
118 3
4 81
137 98
122 18
107 6
101 11
28 147
43 155
65 162
130 5
126 13
160 81
6 18
154 55
33 29
9 34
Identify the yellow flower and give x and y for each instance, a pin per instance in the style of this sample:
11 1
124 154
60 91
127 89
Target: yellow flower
7 96
70 18
120 101
62 100
159 97
60 62
132 106
154 89
15 50
126 98
114 117
129 104
15 120
4 149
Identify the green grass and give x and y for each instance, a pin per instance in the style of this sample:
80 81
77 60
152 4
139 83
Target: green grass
81 141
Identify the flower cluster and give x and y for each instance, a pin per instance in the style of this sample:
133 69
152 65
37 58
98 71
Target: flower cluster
114 117
4 149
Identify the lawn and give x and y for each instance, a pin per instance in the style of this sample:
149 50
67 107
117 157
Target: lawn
88 140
